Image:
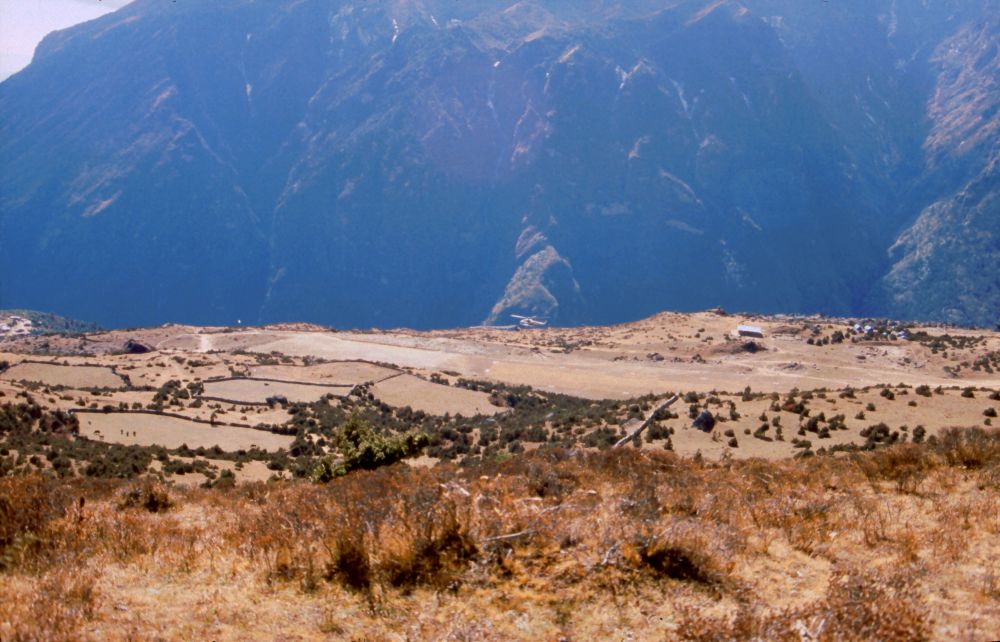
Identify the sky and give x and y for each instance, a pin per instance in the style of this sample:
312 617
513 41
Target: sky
23 24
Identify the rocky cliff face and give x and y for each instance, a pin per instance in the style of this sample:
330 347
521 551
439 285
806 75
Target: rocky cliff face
432 163
947 264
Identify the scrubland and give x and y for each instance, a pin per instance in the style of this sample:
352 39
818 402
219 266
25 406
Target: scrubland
898 543
848 489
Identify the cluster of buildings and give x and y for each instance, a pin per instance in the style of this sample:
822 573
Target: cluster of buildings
15 326
870 331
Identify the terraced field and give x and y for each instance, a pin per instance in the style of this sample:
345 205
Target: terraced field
433 398
256 391
71 376
170 432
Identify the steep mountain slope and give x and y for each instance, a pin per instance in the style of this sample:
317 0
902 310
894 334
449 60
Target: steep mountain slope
947 263
429 163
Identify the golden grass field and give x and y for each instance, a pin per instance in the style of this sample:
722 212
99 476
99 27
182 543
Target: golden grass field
147 430
76 376
258 390
901 544
432 398
850 489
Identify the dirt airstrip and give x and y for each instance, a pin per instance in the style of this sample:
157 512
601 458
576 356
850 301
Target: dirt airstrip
224 375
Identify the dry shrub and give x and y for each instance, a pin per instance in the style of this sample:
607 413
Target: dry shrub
782 496
989 477
969 447
430 552
578 528
871 606
909 544
991 582
906 465
349 561
126 535
54 609
47 525
28 505
802 514
148 495
858 606
421 538
873 517
687 560
808 525
393 526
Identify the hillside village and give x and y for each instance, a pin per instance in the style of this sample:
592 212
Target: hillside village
15 326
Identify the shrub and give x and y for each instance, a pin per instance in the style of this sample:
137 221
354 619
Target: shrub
859 605
683 558
148 495
28 505
905 464
969 447
360 446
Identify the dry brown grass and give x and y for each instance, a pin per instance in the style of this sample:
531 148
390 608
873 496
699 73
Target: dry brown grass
858 605
72 376
894 544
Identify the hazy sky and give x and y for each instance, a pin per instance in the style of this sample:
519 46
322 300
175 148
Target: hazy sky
23 24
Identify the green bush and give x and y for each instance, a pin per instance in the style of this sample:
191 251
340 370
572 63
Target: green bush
361 447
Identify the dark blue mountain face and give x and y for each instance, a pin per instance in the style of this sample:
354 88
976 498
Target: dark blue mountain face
433 163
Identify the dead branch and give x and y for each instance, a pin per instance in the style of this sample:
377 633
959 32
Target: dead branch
648 420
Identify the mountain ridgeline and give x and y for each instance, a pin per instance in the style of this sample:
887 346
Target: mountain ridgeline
437 163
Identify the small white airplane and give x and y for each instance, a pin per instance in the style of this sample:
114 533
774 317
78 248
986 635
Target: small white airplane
529 322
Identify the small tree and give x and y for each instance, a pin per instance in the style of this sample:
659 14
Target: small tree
360 446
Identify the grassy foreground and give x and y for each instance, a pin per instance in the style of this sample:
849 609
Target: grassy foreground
897 543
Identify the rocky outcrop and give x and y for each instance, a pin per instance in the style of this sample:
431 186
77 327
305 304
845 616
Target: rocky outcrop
137 347
542 286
